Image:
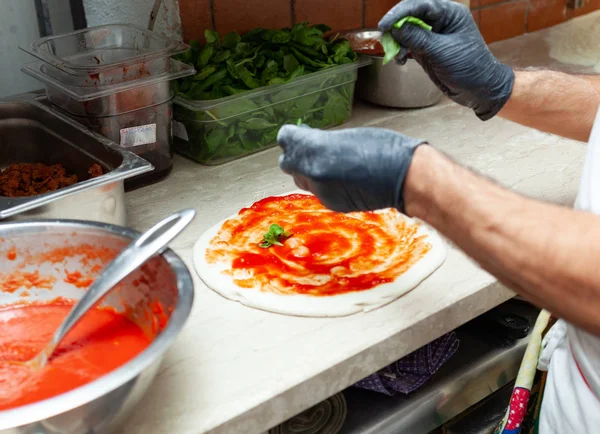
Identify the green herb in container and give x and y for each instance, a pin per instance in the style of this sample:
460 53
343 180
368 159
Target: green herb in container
248 86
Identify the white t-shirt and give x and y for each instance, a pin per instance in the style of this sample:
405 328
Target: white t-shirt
571 402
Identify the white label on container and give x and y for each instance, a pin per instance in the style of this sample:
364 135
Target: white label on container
180 131
137 136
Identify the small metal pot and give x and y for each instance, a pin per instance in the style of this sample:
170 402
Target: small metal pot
391 85
99 406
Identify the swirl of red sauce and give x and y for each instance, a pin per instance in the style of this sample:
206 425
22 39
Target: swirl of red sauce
328 253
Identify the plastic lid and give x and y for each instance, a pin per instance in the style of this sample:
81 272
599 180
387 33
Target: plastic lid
96 49
55 78
197 104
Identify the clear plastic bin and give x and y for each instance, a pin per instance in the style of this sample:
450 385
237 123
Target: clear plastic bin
97 95
114 53
217 131
136 114
145 131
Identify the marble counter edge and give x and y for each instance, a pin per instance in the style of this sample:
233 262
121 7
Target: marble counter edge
339 377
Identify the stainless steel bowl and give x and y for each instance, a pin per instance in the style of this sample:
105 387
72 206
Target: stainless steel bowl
392 85
102 405
30 132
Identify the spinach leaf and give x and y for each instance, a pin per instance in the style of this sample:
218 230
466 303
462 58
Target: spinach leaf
247 77
204 73
257 124
206 54
391 47
269 73
307 60
281 80
413 20
214 138
276 36
290 63
211 36
221 56
230 40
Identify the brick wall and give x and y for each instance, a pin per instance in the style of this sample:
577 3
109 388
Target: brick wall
502 19
497 19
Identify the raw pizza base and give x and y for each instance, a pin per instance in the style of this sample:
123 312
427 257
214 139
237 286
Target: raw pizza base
317 306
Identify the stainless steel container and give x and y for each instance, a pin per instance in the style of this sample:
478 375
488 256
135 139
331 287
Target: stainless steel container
102 405
30 132
392 85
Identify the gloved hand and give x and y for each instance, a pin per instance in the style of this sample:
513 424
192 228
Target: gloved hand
349 170
453 54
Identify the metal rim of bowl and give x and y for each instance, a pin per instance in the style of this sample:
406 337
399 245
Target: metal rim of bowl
79 396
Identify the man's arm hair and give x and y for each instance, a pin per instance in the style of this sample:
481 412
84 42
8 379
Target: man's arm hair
546 253
554 102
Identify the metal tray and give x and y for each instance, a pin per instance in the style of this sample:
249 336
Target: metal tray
32 133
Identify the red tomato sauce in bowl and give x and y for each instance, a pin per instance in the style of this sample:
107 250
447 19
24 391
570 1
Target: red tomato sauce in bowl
101 342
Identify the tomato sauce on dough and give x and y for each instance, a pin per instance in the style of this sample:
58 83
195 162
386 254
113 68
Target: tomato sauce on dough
103 341
328 253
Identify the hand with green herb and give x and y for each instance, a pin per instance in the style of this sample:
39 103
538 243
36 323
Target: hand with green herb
453 53
357 169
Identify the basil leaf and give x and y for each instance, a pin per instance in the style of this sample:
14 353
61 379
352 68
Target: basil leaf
273 237
391 47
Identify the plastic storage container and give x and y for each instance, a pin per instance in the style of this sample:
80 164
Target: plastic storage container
107 50
216 131
127 96
145 131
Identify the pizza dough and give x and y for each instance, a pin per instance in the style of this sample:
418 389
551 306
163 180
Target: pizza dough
218 271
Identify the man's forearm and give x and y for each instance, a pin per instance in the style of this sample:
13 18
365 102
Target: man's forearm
548 254
554 102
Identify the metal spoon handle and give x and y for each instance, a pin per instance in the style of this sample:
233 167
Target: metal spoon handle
154 241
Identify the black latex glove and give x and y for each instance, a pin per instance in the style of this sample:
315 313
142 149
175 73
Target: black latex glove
453 54
349 170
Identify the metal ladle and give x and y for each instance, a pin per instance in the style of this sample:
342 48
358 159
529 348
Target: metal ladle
142 248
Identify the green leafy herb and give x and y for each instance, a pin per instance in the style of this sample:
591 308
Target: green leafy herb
230 40
273 237
234 64
391 47
299 122
413 20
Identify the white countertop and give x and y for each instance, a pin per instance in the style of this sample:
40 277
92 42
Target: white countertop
238 370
